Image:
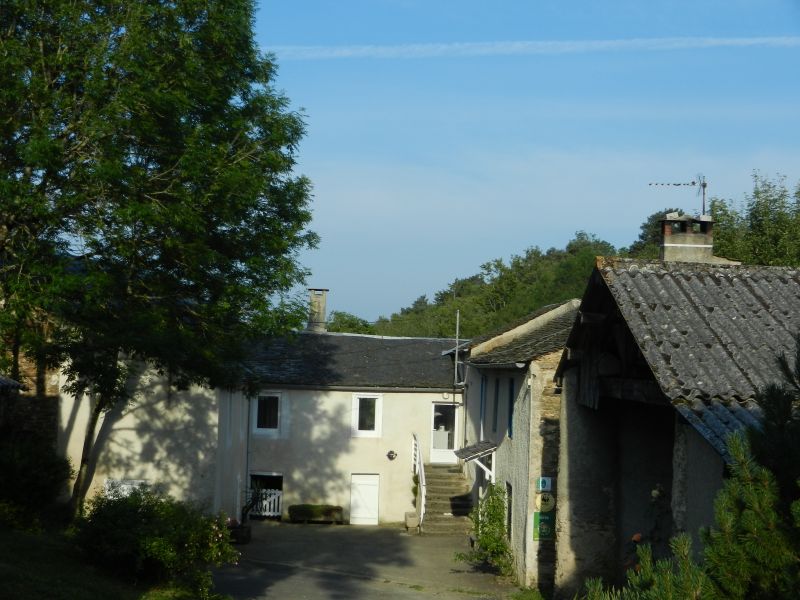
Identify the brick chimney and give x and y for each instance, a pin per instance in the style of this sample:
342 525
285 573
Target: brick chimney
316 310
689 239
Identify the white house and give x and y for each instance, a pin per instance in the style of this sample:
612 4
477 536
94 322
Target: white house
332 421
328 418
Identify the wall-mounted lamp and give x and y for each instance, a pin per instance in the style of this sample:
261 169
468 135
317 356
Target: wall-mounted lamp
391 455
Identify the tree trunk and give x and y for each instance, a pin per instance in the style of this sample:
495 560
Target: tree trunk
15 350
81 482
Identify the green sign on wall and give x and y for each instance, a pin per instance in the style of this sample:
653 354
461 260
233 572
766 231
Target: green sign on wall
544 525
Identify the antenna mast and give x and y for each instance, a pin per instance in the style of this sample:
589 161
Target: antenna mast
699 181
455 364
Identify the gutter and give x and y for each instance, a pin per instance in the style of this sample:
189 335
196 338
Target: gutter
516 366
357 388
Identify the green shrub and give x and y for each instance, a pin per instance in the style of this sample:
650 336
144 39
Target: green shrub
315 512
32 475
491 539
149 536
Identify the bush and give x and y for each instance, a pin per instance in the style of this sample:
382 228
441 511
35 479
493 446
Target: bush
32 476
316 512
31 473
491 540
149 536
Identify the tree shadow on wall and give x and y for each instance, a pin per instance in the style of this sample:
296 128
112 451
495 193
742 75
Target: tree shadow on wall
166 438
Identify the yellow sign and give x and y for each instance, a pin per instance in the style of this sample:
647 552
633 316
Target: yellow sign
545 502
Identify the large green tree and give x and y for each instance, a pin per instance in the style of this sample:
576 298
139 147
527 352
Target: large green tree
148 158
764 229
648 244
502 292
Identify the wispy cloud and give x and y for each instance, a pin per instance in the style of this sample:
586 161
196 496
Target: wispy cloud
524 48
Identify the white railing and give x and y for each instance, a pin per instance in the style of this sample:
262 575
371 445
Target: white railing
268 503
419 471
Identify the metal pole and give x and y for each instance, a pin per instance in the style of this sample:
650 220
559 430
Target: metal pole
455 363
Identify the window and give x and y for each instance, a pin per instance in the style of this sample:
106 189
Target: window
366 415
266 414
509 504
496 405
484 383
511 407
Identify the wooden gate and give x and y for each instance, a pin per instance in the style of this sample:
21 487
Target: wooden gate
268 503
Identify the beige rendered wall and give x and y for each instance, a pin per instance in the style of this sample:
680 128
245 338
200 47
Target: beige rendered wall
167 439
315 450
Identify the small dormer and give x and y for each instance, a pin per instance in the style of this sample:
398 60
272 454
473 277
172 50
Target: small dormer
689 239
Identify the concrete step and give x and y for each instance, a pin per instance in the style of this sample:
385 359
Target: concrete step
456 484
449 499
442 469
449 526
446 492
448 511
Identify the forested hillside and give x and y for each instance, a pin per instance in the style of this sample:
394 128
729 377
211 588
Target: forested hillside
764 228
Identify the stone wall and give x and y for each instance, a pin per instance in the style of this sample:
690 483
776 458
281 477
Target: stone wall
544 459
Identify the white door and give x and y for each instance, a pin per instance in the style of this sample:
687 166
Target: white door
364 499
444 425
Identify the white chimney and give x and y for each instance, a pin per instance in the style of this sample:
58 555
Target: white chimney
316 310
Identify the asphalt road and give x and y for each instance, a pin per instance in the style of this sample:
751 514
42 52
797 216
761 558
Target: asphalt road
344 562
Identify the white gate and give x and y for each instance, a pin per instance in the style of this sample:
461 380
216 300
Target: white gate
268 503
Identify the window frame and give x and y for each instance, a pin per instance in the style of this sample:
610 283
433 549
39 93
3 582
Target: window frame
272 432
355 410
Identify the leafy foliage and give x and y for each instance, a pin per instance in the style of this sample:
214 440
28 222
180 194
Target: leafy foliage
340 321
32 476
765 230
677 579
753 550
489 527
145 535
777 444
648 244
501 292
150 206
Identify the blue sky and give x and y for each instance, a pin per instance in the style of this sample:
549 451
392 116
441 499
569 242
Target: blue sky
442 134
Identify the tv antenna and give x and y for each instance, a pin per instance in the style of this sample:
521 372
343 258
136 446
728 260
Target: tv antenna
699 181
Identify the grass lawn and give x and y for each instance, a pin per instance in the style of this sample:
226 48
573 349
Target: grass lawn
38 566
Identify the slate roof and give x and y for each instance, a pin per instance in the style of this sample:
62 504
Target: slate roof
350 360
711 334
544 336
476 450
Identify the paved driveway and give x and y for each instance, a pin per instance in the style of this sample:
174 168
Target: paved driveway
351 562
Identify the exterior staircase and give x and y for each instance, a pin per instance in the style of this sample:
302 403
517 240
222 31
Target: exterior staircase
448 501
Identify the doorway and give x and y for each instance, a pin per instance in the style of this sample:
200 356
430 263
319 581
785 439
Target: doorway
364 499
444 421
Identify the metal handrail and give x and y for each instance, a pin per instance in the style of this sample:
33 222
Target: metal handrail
419 470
